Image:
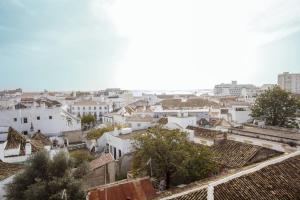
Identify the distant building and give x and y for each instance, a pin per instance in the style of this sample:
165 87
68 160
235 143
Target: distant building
289 82
234 89
86 107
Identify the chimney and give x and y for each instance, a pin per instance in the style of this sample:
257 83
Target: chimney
28 148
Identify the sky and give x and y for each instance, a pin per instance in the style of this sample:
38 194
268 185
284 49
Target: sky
146 44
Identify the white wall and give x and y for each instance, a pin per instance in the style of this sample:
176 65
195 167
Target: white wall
183 121
54 126
99 109
125 145
139 125
240 116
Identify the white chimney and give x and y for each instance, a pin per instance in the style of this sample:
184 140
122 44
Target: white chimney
28 148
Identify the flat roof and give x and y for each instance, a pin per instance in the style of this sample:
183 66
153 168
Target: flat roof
131 135
269 132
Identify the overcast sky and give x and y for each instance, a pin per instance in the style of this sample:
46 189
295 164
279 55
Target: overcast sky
146 44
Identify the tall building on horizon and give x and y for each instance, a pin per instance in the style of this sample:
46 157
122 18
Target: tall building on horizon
289 82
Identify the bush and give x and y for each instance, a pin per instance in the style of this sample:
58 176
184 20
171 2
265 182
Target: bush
97 133
81 170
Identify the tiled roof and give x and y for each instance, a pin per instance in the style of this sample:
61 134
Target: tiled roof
275 182
206 133
41 137
197 195
139 118
137 189
234 154
74 136
14 139
101 161
237 154
7 169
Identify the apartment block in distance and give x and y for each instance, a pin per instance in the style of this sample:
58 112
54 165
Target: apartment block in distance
289 82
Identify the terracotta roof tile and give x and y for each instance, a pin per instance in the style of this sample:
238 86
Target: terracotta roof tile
276 182
101 161
138 189
197 195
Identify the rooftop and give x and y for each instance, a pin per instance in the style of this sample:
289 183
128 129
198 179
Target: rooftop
139 118
278 181
281 133
7 169
101 161
274 179
131 134
137 189
234 154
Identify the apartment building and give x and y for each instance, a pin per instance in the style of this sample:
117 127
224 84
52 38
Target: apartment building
234 89
289 82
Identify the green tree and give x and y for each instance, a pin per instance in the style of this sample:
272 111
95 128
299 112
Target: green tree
173 157
44 178
88 120
277 107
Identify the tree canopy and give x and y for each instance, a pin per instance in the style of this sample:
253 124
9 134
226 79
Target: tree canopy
46 178
80 156
173 158
88 120
277 107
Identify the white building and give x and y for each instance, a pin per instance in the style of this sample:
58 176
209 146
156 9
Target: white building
139 122
50 121
198 113
182 120
239 114
234 89
117 142
85 107
289 82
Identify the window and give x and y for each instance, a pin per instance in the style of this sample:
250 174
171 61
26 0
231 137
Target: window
107 148
90 108
100 108
95 108
25 120
83 108
15 119
240 109
78 108
50 117
38 118
138 124
120 153
110 149
25 132
115 153
105 107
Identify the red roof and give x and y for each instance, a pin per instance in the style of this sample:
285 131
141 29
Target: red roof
137 189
